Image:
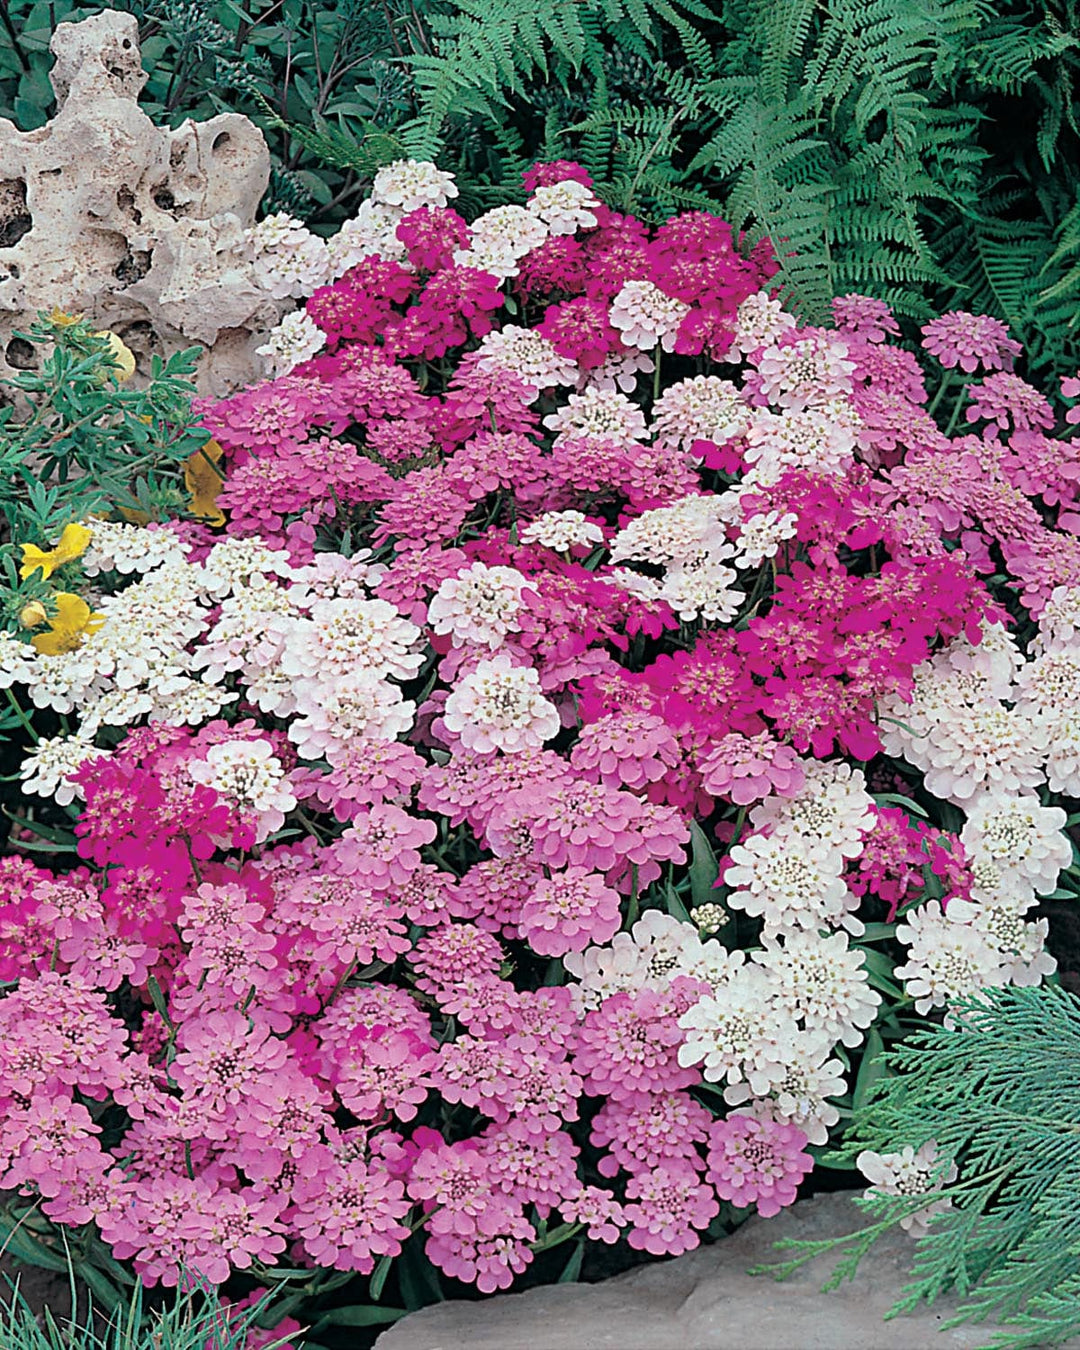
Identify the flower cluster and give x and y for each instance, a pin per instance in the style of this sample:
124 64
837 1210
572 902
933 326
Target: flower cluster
399 795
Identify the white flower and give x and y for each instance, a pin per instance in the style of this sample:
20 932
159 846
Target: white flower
909 1173
790 884
656 949
947 961
411 183
1059 622
357 706
995 657
250 776
47 770
371 233
759 322
296 338
564 207
187 702
118 547
249 636
287 259
1021 836
528 355
645 316
233 563
680 532
805 371
118 708
1050 683
351 634
603 414
562 530
617 371
822 983
761 535
500 238
331 576
814 439
1063 757
500 706
831 809
800 1097
64 681
738 1034
986 749
701 588
704 408
479 606
1020 945
18 661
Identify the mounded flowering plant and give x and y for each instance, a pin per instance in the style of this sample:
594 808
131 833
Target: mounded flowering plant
606 714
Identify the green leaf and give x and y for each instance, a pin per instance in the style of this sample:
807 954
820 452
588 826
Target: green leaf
704 868
872 1068
572 1270
895 799
675 906
361 1315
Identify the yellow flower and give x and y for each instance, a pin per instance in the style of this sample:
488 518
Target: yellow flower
33 615
121 354
60 318
203 481
72 544
72 622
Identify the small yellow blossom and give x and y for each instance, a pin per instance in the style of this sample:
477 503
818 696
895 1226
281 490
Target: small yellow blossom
72 622
121 354
33 615
203 481
60 318
72 544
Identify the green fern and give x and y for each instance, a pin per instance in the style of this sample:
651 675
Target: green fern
1000 1095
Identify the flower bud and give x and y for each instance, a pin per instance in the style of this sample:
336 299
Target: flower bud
33 615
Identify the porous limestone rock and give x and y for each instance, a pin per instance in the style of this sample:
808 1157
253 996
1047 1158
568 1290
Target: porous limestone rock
138 227
706 1301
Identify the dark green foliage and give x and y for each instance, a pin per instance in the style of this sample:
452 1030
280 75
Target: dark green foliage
1000 1094
926 151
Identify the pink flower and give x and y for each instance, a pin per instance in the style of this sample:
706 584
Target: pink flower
379 1072
642 1131
351 924
970 341
747 769
598 1210
862 314
432 234
382 846
628 749
569 910
223 1056
670 1206
1003 398
629 1046
453 955
757 1161
348 1213
48 1144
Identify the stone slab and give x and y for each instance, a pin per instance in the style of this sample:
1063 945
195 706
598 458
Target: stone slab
706 1301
